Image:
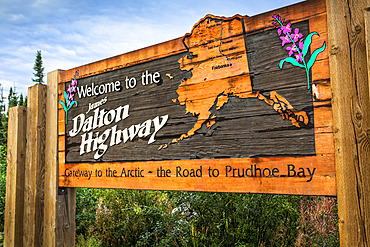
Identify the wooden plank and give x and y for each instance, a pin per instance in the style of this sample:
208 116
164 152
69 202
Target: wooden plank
322 182
367 38
57 231
351 113
295 13
66 219
35 167
14 199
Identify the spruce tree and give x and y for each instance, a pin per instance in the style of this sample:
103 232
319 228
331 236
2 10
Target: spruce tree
38 69
12 98
20 102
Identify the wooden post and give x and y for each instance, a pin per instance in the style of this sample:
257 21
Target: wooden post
59 215
34 168
15 176
367 37
351 112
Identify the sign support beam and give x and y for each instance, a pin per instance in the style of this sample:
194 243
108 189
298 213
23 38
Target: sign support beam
351 112
60 210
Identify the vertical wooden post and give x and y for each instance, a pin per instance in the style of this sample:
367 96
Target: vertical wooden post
367 39
34 168
59 225
15 176
351 112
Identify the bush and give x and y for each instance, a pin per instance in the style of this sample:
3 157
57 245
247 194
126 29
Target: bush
159 218
318 222
226 219
90 241
140 218
86 206
2 185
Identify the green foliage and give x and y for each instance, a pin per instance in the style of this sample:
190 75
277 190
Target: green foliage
22 102
228 219
86 207
89 241
155 218
140 218
2 184
12 98
38 69
318 222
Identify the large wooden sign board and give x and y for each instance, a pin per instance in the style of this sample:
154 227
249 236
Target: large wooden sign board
239 104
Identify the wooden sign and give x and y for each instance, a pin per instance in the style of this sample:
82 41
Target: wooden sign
239 104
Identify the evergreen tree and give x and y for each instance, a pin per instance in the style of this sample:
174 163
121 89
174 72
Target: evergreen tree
12 98
3 155
3 121
21 101
38 69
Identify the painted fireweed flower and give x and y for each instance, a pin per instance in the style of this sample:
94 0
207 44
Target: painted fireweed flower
69 95
297 52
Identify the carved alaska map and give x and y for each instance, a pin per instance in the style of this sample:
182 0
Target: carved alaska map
219 65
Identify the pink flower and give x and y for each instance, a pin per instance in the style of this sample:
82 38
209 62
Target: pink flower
286 29
298 57
74 83
301 44
276 19
296 36
286 40
291 50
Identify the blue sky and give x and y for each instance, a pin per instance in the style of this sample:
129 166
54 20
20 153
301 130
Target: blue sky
72 33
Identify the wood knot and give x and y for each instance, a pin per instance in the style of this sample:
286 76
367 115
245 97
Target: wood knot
358 116
334 50
358 29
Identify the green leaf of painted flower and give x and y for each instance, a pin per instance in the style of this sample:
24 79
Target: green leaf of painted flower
314 55
290 60
307 43
65 96
72 103
64 106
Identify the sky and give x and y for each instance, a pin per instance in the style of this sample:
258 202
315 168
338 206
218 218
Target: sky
72 33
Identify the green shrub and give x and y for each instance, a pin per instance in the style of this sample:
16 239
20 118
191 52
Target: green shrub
140 218
89 241
86 206
160 218
227 219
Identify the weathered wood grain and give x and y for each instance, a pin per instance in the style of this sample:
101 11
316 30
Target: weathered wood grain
351 112
16 157
35 167
57 232
367 39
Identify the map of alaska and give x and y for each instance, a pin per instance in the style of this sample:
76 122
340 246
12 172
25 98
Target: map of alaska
219 65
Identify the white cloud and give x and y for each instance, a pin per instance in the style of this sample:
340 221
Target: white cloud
70 34
16 17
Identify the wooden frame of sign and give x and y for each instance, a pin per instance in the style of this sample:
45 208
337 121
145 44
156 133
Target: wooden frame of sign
220 109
